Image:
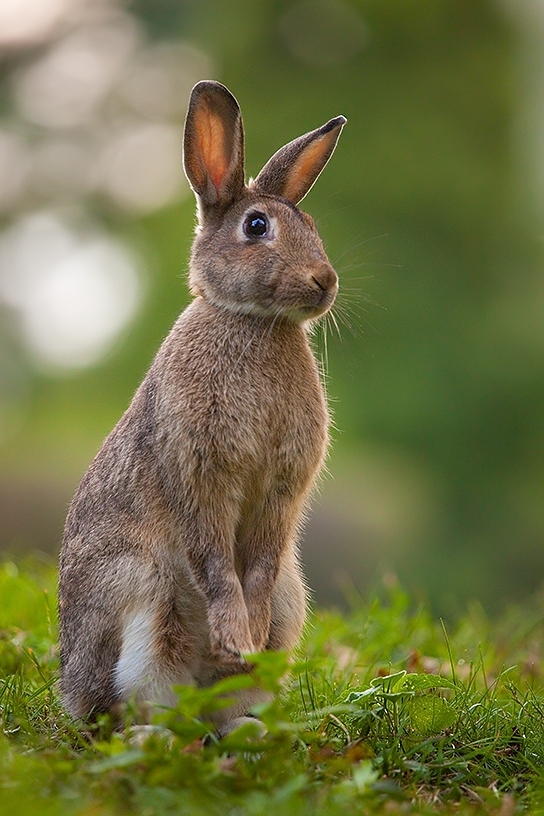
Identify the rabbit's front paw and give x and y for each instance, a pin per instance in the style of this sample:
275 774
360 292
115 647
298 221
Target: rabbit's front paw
230 636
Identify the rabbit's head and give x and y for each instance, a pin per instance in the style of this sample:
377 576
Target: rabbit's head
255 252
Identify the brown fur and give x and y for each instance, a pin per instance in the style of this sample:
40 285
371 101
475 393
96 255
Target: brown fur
185 525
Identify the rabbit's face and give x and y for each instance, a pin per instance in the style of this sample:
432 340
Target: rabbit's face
264 258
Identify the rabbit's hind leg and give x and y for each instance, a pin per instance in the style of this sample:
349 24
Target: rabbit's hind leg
87 682
288 604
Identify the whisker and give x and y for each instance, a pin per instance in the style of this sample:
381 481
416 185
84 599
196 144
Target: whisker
358 244
343 317
335 323
355 296
358 264
346 313
325 360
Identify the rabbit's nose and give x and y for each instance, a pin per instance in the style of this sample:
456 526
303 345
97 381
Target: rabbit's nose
325 277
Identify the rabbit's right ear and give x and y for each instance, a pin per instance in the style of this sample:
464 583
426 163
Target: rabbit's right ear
213 146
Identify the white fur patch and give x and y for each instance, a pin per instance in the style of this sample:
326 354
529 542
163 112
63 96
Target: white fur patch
133 668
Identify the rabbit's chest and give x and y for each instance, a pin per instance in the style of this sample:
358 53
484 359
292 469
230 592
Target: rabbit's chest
279 433
242 410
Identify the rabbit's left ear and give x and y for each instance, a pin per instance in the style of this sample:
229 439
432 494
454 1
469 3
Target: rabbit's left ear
291 171
213 145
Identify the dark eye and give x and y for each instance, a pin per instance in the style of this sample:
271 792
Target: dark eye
256 225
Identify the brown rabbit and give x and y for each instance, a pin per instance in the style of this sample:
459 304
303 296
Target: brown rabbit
179 553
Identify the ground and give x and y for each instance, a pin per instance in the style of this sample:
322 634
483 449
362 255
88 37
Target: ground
383 709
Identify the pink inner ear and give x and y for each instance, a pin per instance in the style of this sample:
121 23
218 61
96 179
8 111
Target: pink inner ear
210 136
305 168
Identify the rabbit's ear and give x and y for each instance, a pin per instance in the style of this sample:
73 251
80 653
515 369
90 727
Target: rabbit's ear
291 171
213 145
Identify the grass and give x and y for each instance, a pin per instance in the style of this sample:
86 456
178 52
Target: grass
385 710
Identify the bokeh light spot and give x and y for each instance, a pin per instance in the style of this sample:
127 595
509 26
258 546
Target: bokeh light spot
66 87
141 169
75 288
23 22
15 165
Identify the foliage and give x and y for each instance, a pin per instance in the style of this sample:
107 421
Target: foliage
429 208
383 710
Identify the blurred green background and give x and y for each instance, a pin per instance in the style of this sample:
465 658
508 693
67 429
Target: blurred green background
432 210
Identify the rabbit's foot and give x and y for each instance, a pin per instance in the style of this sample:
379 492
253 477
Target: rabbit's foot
258 731
138 735
230 635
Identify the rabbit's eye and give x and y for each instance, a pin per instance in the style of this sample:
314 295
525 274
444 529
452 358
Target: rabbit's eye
256 225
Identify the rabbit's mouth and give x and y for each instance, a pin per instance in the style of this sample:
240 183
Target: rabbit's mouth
320 309
310 311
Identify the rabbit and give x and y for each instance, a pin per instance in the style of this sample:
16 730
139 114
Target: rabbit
179 555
